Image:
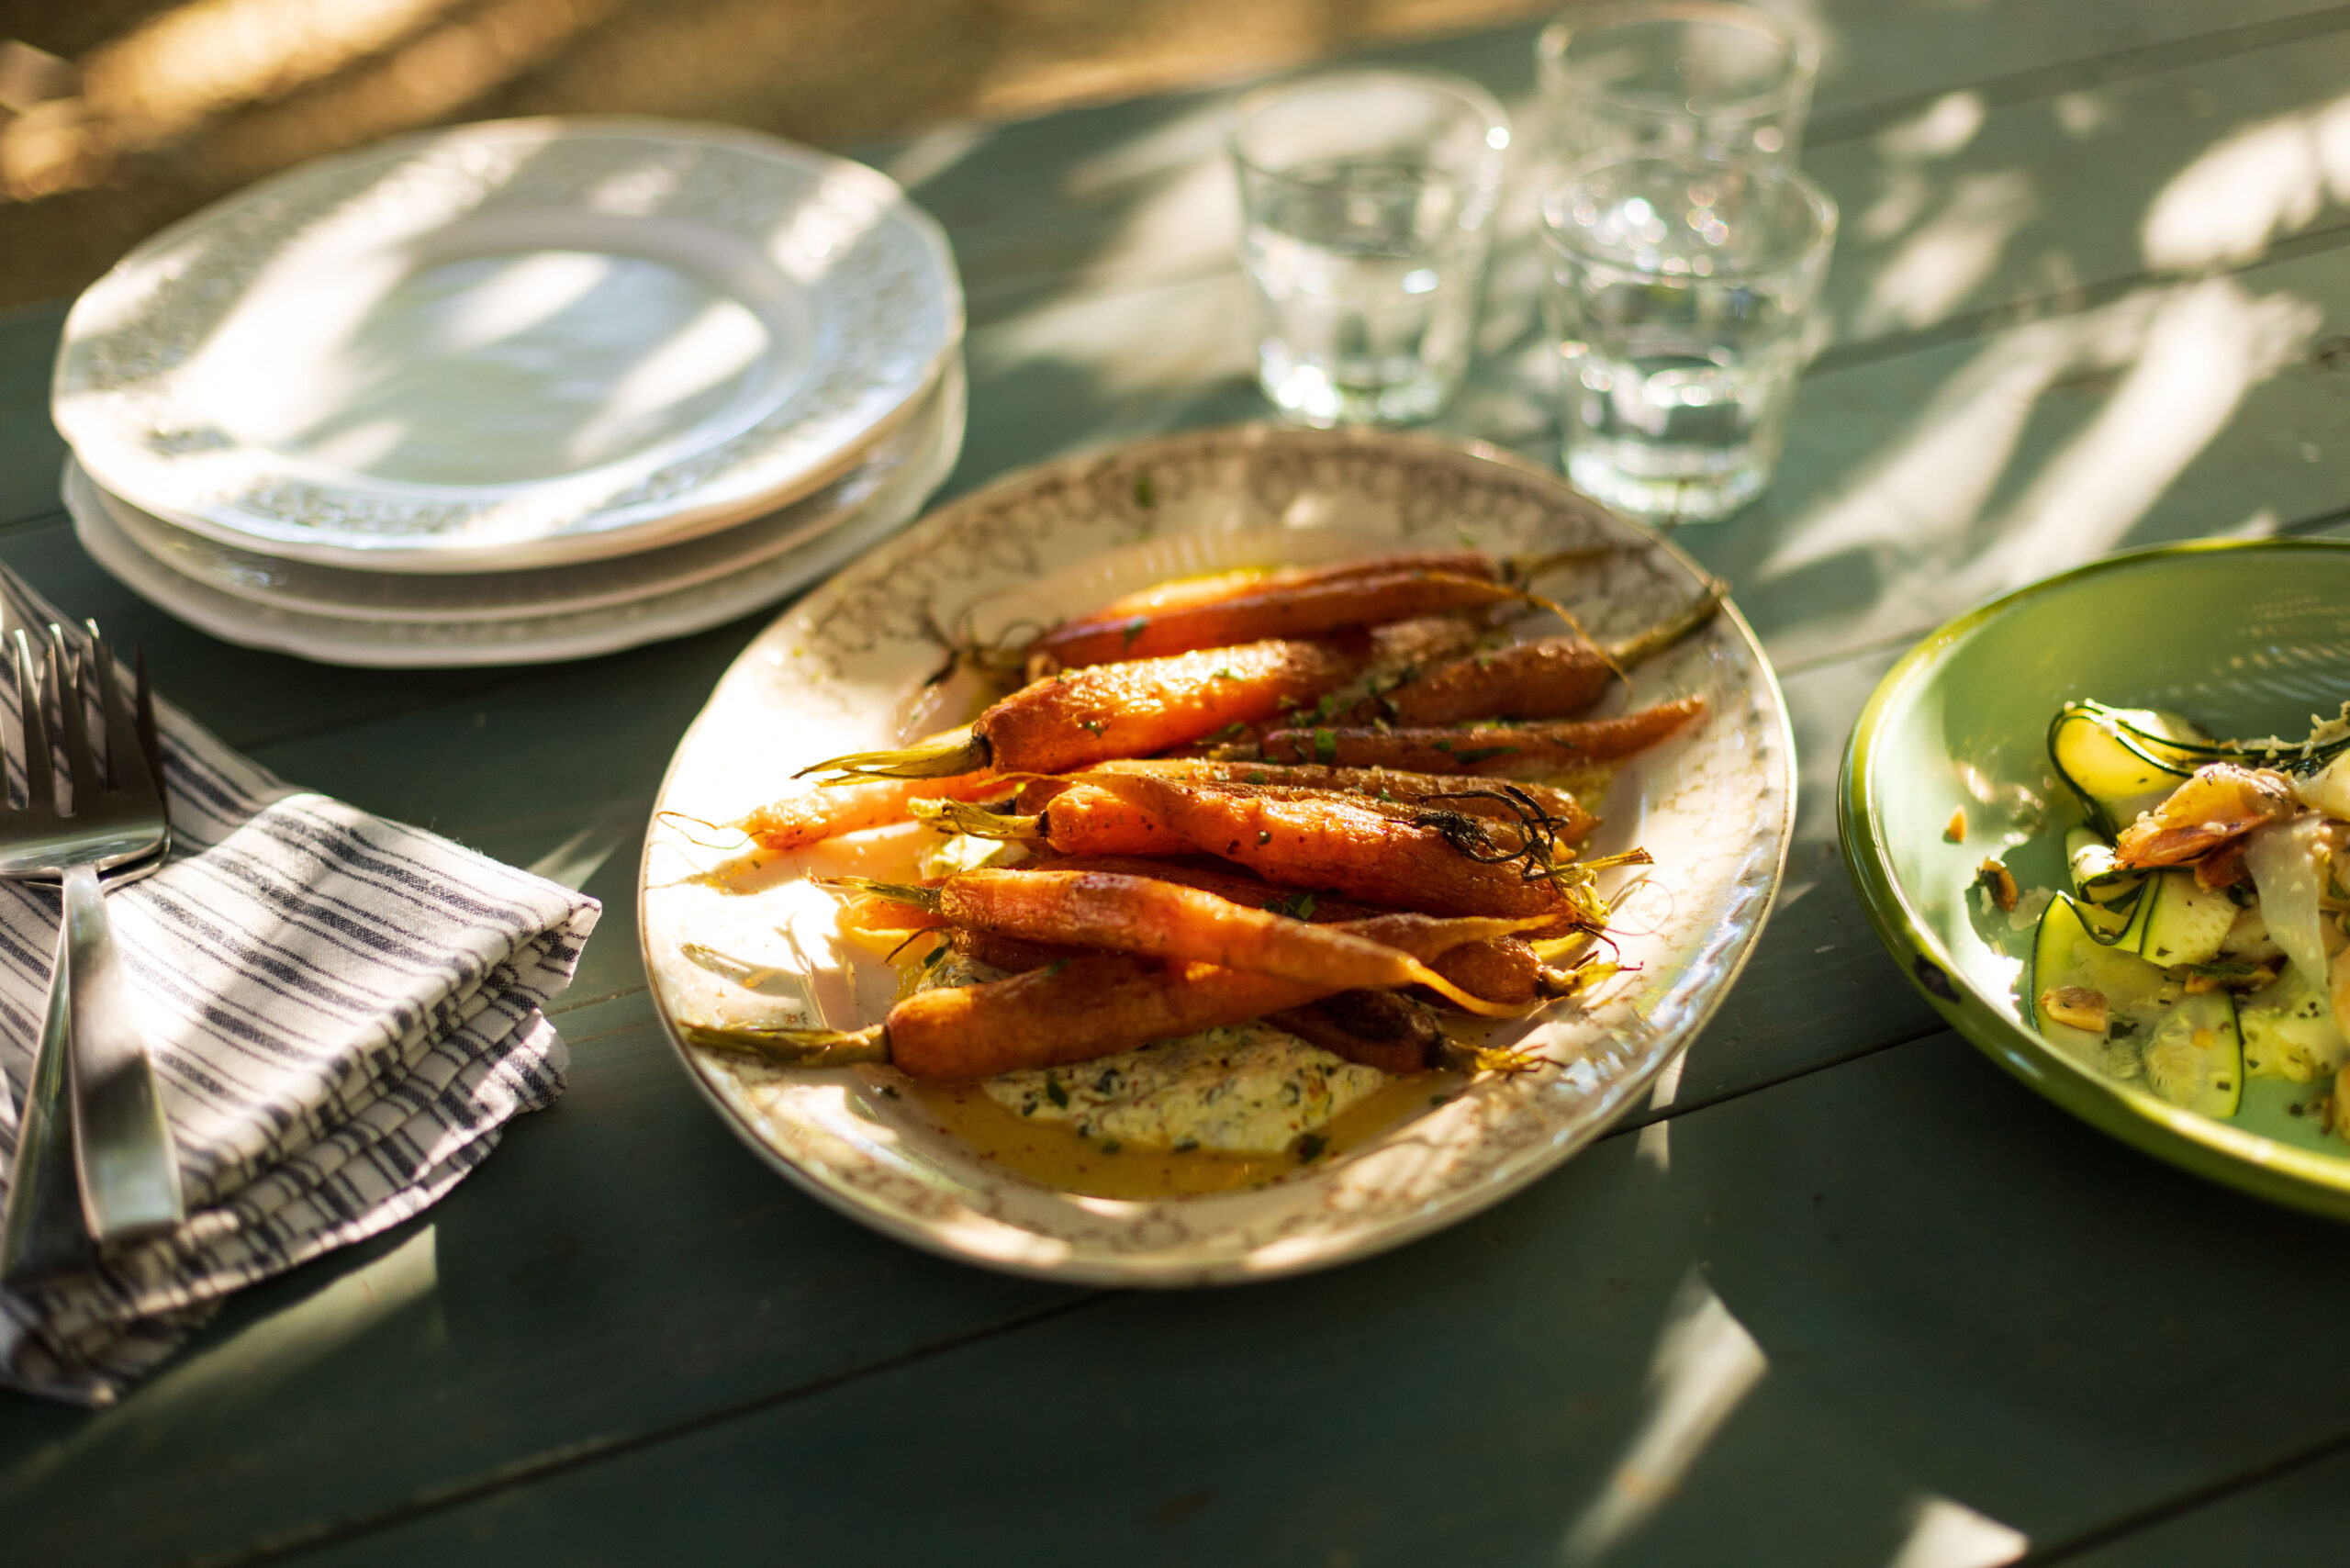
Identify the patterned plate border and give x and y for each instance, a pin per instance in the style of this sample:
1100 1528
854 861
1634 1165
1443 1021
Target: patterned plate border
876 270
841 671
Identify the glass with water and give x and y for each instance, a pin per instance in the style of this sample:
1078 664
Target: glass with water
1680 295
1688 77
1364 198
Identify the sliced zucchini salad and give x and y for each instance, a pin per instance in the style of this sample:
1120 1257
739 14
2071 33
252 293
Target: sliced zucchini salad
2203 940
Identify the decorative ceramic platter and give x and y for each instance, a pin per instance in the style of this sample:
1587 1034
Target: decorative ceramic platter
847 670
867 506
2246 639
509 344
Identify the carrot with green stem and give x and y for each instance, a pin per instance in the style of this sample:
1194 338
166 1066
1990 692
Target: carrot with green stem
1426 856
1545 679
1113 710
1309 611
1156 919
1510 970
1500 750
797 821
1069 1011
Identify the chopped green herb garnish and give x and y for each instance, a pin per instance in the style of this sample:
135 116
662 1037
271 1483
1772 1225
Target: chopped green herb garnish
1264 836
1135 628
1326 746
1475 754
1054 1093
1310 1147
1056 967
2223 970
1231 732
1187 1146
1111 1145
889 1092
930 959
1093 725
1146 493
1257 777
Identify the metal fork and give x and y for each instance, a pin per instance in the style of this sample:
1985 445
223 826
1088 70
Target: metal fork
119 1156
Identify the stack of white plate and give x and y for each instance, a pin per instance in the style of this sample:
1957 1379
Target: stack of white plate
520 391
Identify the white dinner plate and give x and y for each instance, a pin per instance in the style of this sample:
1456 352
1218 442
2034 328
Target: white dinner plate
509 344
343 593
522 638
849 668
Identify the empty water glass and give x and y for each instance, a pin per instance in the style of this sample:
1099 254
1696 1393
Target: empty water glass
1689 77
1364 197
1680 291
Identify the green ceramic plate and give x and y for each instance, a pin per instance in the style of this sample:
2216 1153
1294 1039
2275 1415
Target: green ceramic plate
2244 638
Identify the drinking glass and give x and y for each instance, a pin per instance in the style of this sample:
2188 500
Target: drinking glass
1679 292
1690 78
1364 196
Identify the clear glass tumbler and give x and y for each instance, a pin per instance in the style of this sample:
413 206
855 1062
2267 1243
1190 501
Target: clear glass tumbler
1679 292
1364 196
1692 77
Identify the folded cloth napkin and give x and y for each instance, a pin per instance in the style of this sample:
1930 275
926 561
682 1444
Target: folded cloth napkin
344 1013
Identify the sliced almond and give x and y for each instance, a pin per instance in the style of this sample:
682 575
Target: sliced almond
2077 1005
1956 829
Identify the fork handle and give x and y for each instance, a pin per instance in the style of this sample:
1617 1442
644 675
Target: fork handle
43 1239
122 1147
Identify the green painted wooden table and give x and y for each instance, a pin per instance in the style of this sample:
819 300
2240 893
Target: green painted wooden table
1849 1296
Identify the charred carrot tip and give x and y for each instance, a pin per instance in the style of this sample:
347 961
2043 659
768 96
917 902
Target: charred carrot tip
961 752
792 1047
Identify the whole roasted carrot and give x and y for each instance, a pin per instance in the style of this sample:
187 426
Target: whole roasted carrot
1532 748
1188 592
1308 611
797 821
1157 918
1544 679
1443 862
1391 785
1063 1013
1504 968
1123 710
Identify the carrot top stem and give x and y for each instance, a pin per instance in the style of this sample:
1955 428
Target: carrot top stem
957 752
793 1048
1671 630
978 822
1520 570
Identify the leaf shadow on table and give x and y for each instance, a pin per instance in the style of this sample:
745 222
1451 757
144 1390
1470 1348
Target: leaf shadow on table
1735 1319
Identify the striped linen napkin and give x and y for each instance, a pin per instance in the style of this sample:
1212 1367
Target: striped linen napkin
344 1013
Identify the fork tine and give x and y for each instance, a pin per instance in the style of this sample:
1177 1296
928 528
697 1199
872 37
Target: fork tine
65 685
126 751
40 790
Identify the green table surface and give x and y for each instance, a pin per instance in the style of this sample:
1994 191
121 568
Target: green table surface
1847 1296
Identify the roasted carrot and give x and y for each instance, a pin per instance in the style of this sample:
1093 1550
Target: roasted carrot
1308 611
1500 969
1535 748
1431 859
1394 785
1063 1013
797 821
1214 587
1124 710
1164 920
1385 1029
1545 679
